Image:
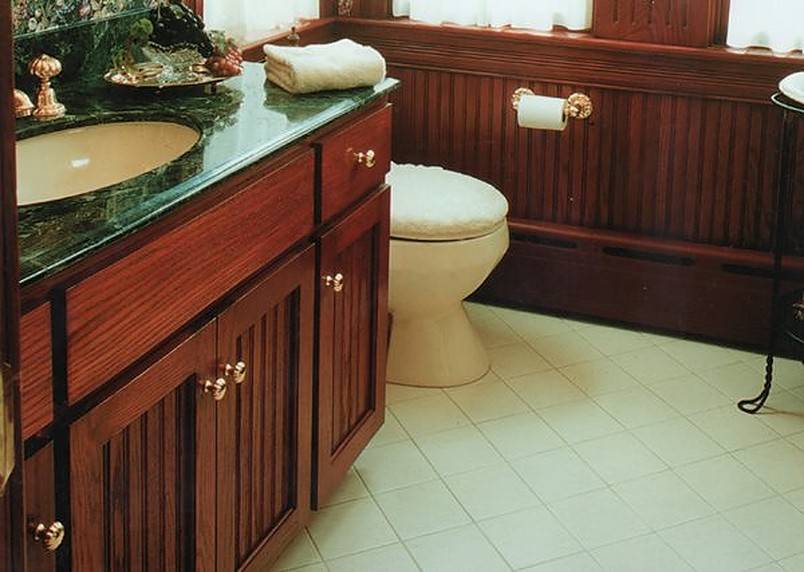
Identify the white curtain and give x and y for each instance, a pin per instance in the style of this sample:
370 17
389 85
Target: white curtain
249 20
532 14
774 24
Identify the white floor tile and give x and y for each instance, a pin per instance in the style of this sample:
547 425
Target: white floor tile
650 365
779 464
690 394
714 545
663 500
312 568
300 552
422 509
487 401
599 518
773 524
462 549
492 491
565 349
557 475
678 442
796 498
599 376
580 421
783 412
611 341
516 359
732 428
698 356
737 380
529 537
581 562
351 488
395 393
521 435
619 457
494 332
545 389
393 558
532 326
724 482
787 373
393 467
458 450
350 527
390 432
636 407
429 414
794 564
642 554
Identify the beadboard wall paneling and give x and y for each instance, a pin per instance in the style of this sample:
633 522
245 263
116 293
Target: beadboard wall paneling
695 169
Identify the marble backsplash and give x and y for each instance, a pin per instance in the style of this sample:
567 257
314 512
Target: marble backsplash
82 34
36 16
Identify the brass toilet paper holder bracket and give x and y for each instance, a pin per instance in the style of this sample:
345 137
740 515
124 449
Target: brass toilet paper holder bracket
577 106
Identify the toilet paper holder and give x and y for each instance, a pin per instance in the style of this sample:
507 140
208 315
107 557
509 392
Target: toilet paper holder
577 106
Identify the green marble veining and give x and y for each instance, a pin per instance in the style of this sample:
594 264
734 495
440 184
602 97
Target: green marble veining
243 122
36 16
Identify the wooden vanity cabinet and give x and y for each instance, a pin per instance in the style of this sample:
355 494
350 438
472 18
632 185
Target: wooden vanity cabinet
352 328
142 468
40 509
264 426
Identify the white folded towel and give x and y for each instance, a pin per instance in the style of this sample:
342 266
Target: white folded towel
340 65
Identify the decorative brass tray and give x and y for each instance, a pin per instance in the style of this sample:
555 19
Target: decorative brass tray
166 68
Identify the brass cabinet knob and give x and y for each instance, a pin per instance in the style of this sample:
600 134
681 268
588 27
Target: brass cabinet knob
236 371
369 158
216 388
50 537
334 282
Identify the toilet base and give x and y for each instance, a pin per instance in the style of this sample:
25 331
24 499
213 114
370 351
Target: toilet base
441 351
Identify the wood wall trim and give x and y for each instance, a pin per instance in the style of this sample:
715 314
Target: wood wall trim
568 57
311 32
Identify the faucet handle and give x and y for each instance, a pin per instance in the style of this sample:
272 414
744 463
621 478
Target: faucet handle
45 67
22 104
47 106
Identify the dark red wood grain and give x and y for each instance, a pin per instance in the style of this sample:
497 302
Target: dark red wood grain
36 371
352 340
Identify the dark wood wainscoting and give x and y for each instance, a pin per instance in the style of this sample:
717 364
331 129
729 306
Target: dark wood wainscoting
682 150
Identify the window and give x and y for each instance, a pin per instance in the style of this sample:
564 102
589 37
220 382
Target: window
532 14
250 20
774 24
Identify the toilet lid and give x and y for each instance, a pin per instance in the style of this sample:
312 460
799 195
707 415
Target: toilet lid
431 203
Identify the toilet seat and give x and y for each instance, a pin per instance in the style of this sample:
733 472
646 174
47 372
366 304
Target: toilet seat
431 204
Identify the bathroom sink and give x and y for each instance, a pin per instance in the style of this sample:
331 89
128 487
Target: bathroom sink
83 159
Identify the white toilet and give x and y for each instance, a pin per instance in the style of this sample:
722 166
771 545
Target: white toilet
448 232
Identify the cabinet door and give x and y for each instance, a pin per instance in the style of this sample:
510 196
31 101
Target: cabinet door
352 339
265 430
142 468
44 533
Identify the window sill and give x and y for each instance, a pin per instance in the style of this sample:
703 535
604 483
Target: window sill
310 31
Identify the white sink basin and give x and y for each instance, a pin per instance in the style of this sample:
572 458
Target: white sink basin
77 161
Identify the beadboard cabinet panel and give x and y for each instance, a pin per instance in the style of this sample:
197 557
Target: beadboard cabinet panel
265 427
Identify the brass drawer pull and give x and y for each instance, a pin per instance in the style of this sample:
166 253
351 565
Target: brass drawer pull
217 388
334 282
50 537
369 158
236 371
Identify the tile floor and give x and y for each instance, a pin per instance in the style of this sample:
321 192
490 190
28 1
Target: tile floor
586 448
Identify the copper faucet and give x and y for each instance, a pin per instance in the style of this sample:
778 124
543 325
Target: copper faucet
47 106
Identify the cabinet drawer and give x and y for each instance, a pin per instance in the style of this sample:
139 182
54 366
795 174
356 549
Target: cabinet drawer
36 372
126 309
344 179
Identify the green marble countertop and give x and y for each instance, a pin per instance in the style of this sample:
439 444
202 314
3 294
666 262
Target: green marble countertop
243 122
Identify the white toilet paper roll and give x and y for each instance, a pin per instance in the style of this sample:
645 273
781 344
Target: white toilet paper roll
540 112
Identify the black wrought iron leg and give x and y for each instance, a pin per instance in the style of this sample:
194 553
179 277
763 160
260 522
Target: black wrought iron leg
753 406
